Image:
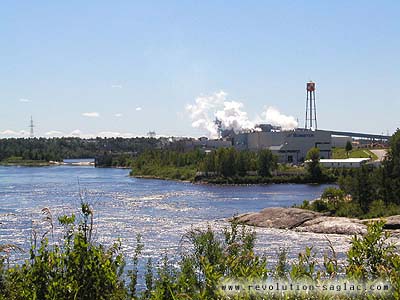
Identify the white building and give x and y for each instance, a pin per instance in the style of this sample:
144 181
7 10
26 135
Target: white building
290 146
344 163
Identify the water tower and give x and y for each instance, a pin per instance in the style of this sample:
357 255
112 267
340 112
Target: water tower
311 108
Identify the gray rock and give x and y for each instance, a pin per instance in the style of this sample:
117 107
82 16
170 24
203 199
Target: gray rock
278 217
308 221
333 225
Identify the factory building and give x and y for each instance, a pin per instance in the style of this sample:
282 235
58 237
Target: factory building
289 146
341 141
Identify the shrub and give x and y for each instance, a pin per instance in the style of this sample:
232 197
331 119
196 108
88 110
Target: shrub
78 268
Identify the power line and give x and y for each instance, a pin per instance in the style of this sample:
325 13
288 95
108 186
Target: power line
31 134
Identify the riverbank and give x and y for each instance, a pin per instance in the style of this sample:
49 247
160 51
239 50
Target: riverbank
302 220
251 180
187 176
25 163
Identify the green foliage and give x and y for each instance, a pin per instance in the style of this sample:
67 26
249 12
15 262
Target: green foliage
224 163
390 175
340 153
334 201
348 147
133 273
57 149
331 200
167 164
76 269
375 191
371 256
267 162
333 194
313 167
349 209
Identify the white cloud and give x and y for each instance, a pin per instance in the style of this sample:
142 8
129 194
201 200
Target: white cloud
54 133
91 114
116 86
23 132
76 133
13 133
118 115
108 134
24 100
114 134
138 108
8 132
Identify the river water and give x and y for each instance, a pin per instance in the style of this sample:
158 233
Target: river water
161 211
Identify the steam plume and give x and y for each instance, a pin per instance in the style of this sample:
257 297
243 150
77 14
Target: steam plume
272 116
231 115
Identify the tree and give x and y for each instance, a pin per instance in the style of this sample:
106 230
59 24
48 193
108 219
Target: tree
226 161
391 171
312 164
266 163
241 164
349 147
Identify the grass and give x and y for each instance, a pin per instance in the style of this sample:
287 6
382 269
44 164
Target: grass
186 173
340 153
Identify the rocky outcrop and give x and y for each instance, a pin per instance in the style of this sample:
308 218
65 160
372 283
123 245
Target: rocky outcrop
333 225
308 221
278 217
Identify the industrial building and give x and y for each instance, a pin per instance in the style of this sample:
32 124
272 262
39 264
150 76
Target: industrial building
290 146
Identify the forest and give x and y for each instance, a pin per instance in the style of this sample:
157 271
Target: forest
57 149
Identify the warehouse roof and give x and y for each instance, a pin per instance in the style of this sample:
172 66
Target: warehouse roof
344 160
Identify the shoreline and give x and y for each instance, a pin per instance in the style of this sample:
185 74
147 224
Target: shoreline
225 181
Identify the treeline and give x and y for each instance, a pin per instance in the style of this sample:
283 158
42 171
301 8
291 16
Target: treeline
168 164
223 162
77 267
228 162
225 166
57 149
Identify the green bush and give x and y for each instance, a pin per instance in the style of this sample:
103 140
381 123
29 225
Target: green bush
78 268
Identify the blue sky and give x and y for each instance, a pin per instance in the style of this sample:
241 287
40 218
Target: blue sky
127 67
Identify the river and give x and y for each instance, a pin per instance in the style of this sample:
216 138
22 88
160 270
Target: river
160 210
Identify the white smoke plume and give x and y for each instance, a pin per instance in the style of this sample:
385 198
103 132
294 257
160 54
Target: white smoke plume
272 116
231 115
